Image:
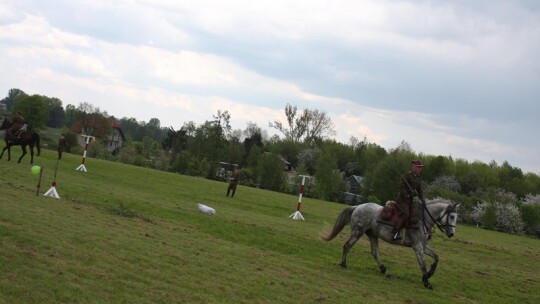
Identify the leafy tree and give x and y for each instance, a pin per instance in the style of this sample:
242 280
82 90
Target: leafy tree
208 142
181 162
34 109
531 183
489 217
296 126
368 155
71 115
383 181
12 96
57 115
328 179
253 130
342 153
318 125
511 178
307 125
152 129
235 150
438 166
131 128
253 137
309 158
223 119
530 211
286 148
92 121
271 172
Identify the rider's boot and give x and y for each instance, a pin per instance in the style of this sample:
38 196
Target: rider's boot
397 229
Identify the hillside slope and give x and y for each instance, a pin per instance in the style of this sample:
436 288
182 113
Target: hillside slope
124 234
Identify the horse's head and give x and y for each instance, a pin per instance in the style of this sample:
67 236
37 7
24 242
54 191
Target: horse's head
449 219
5 124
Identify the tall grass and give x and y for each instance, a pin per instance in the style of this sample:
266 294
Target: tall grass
124 234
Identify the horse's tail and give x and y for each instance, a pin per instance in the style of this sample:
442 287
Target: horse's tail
37 140
343 219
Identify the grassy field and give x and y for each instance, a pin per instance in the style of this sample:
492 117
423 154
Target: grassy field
123 234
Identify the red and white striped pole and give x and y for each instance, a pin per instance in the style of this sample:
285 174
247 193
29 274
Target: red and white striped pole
82 167
52 191
297 215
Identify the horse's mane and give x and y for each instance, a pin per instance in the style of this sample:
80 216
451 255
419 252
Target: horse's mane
438 200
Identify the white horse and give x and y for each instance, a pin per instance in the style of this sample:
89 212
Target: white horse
364 220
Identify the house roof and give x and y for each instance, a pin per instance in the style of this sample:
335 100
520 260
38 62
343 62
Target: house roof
358 178
77 126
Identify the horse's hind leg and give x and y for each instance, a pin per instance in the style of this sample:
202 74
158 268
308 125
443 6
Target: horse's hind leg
31 154
375 253
356 234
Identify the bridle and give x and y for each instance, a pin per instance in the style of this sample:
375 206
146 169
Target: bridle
437 222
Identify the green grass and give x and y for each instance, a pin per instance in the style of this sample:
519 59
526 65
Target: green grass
123 234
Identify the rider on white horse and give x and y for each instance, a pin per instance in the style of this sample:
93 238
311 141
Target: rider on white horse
410 187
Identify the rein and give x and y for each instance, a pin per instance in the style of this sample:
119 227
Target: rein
437 222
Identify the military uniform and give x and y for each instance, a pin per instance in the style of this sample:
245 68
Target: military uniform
61 146
409 187
17 123
233 182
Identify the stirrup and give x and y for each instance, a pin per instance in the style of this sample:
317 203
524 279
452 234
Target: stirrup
396 237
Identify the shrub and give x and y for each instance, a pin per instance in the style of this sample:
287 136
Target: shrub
509 219
445 182
532 199
531 216
503 217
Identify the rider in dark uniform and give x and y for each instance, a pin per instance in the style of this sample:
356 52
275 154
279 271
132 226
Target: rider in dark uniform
410 187
18 122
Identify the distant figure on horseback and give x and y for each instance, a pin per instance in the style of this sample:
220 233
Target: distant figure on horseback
18 125
409 188
18 135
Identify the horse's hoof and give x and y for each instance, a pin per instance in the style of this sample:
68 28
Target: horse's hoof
344 266
388 276
383 269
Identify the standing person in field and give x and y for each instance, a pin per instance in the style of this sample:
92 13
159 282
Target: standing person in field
409 187
233 181
61 145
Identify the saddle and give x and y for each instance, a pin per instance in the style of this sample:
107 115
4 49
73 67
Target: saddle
389 215
16 136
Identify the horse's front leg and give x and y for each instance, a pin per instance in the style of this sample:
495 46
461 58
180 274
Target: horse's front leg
3 150
8 148
419 250
23 153
435 257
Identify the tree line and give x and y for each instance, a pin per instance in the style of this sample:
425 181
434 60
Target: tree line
306 144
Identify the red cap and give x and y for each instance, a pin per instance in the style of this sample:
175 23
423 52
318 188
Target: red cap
417 163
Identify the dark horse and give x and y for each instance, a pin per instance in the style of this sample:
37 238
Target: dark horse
364 219
27 138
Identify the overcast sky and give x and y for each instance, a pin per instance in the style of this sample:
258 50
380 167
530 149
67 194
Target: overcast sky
451 78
